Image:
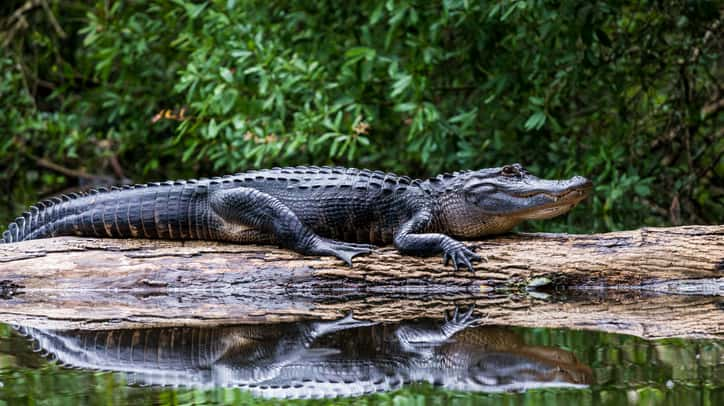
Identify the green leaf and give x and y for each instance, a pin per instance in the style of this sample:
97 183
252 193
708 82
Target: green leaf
494 10
642 189
535 121
510 11
406 107
401 85
213 129
193 10
536 101
358 53
377 13
465 116
189 151
227 75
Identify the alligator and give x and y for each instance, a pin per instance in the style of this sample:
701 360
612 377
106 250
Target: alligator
319 359
325 211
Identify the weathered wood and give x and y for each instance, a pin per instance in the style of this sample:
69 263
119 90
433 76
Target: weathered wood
646 258
618 279
645 316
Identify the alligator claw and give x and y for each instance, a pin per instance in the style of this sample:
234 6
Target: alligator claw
342 250
349 319
321 328
469 313
459 321
357 245
460 255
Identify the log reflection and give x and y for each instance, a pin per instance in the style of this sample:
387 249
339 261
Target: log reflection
344 357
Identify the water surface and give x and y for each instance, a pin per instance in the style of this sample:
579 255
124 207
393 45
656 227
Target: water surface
353 362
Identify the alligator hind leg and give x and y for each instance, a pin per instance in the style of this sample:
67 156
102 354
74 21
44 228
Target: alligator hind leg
260 211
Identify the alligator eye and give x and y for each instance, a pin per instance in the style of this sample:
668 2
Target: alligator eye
509 170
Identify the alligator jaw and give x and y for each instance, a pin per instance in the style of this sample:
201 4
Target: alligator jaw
554 204
564 195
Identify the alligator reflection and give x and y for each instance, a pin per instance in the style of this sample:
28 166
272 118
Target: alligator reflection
345 357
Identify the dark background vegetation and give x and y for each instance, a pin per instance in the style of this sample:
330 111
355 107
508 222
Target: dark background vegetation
628 93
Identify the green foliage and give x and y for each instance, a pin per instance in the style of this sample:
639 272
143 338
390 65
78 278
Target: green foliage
627 93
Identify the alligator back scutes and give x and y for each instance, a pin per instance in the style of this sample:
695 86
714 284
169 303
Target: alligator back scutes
64 214
447 181
305 177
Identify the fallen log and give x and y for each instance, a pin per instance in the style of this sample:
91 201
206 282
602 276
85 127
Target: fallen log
617 280
679 260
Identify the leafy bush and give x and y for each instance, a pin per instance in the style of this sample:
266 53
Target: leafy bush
627 93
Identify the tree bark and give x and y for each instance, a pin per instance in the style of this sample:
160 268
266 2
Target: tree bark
611 282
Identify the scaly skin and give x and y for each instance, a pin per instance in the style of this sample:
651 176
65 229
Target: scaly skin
314 211
346 357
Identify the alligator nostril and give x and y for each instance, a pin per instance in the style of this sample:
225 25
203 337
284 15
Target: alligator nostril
586 182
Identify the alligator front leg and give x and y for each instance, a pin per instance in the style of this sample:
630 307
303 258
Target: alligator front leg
418 338
252 208
409 239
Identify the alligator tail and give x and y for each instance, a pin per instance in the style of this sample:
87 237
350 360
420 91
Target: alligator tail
39 221
61 215
154 210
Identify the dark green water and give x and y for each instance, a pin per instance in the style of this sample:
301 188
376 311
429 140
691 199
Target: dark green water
617 369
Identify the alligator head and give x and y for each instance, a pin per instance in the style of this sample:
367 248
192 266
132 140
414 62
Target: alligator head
497 199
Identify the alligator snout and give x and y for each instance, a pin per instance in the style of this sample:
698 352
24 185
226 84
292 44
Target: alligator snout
581 182
581 187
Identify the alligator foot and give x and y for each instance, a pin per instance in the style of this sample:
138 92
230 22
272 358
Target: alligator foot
342 250
421 338
460 255
459 322
321 328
